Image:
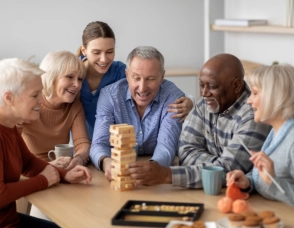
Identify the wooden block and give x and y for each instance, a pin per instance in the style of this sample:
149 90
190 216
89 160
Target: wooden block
121 129
126 159
118 165
122 136
121 152
121 143
123 180
115 171
122 187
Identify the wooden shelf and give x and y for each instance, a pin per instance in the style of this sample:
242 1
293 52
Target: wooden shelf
185 71
254 29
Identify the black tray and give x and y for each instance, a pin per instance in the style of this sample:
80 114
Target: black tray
130 216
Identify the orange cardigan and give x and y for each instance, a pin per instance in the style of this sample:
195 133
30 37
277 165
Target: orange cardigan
54 126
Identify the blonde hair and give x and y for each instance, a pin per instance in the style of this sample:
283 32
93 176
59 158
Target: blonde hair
277 85
15 74
57 64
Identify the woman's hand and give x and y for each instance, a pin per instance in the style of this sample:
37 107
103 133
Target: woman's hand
239 178
78 174
182 107
74 162
61 162
51 175
262 162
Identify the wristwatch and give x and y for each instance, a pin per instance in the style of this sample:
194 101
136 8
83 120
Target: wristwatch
101 162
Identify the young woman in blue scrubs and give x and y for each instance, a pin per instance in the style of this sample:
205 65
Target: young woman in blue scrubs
97 53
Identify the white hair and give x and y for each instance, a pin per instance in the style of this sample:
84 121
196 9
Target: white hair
15 75
146 52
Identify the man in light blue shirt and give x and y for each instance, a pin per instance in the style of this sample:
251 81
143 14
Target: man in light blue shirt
141 100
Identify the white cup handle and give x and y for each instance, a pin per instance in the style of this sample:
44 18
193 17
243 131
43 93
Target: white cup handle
49 155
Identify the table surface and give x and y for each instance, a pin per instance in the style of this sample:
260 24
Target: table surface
94 205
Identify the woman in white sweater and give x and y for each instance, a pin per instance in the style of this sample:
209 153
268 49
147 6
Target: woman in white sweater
272 100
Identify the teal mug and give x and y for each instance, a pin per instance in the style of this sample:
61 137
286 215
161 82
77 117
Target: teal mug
212 179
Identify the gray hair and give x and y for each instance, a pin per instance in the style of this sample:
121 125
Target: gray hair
57 64
277 85
146 52
15 74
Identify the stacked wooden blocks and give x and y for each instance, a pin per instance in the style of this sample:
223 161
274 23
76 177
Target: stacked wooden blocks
123 139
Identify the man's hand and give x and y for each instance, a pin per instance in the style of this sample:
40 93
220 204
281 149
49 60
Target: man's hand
77 174
107 168
182 107
150 173
51 175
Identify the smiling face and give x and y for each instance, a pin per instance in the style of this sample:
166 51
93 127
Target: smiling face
217 90
254 100
66 88
144 78
26 106
221 82
100 54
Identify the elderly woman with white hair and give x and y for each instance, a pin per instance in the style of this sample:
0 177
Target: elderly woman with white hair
21 98
271 98
61 111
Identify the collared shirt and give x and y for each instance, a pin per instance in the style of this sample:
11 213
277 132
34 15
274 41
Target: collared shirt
157 133
214 139
115 72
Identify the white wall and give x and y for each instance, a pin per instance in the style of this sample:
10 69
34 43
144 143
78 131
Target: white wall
263 48
35 27
32 28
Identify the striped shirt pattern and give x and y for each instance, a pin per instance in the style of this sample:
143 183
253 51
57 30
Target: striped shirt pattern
213 139
157 133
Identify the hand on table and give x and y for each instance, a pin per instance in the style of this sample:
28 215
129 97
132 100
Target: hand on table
149 173
74 162
51 175
239 178
182 107
61 162
78 174
261 161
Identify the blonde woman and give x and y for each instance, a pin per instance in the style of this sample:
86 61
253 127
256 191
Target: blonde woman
61 111
271 98
21 98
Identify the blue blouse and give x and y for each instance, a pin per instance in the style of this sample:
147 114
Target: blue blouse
115 72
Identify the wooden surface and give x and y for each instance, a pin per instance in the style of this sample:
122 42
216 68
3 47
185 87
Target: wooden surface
255 29
93 205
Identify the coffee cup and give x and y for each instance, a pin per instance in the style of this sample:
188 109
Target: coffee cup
212 179
65 150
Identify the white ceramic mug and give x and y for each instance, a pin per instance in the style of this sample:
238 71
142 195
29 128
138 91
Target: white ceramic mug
65 150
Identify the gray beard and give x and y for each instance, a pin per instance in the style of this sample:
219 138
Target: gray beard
216 110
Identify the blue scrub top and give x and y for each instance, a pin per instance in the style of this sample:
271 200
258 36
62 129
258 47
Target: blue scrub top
115 72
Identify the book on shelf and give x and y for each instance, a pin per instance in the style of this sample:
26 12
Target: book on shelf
240 22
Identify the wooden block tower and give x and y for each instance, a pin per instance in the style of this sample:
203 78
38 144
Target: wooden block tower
123 139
